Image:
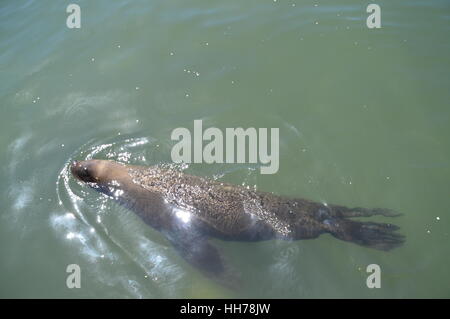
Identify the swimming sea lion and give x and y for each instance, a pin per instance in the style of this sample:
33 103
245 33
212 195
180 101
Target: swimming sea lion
189 209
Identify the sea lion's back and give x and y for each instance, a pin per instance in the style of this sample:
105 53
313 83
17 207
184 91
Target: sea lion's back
217 206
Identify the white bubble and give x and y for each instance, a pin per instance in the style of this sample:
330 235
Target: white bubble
70 215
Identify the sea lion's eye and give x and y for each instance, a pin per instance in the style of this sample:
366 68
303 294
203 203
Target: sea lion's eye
88 174
87 171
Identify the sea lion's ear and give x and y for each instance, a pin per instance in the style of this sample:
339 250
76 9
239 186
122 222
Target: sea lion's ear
203 255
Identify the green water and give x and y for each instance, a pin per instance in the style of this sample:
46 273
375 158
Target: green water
363 115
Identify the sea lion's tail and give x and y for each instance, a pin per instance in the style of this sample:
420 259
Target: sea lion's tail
382 236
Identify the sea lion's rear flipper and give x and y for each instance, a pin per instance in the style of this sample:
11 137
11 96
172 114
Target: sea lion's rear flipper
201 254
380 236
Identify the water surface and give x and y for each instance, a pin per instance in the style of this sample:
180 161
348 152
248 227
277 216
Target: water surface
363 116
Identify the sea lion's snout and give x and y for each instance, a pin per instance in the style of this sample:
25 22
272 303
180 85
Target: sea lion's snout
85 171
100 172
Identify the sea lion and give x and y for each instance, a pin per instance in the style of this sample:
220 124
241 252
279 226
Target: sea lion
189 209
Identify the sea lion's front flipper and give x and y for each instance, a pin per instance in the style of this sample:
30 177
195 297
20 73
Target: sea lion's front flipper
200 253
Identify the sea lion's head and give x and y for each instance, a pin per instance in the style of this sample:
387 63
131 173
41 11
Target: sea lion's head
99 172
